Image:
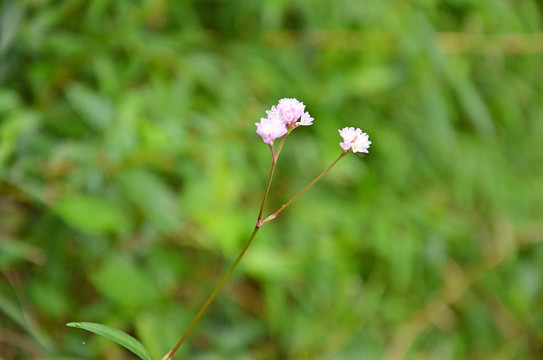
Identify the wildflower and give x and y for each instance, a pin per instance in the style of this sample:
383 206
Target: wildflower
354 139
270 128
281 119
305 120
290 110
275 114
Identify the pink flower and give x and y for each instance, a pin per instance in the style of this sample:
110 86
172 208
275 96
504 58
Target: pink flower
281 119
291 110
354 139
306 120
271 128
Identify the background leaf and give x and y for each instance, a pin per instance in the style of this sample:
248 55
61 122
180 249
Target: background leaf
91 214
116 335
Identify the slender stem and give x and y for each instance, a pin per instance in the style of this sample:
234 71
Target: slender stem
213 294
268 184
280 146
274 215
275 156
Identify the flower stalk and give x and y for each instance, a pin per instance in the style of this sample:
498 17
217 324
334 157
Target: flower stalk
213 295
281 120
274 215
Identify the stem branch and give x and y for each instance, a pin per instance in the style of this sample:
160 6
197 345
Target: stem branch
274 215
259 223
213 295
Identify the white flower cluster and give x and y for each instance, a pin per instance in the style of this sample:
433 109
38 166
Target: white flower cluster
354 139
290 113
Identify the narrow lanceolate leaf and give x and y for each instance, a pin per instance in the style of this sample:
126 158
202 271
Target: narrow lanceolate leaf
116 335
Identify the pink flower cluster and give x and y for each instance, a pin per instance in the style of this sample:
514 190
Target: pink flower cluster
354 139
287 115
290 113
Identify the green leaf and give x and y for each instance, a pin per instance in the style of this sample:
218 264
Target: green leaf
124 282
116 335
94 108
157 201
90 214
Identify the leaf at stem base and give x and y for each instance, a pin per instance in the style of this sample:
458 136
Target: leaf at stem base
116 335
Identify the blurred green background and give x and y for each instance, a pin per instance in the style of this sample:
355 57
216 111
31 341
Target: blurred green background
131 175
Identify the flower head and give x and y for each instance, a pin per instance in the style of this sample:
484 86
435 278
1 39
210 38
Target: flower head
354 139
270 128
305 120
282 118
291 110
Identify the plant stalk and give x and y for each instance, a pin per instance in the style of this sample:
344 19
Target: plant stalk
213 295
258 225
274 215
274 157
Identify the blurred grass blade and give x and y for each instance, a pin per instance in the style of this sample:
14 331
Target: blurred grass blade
116 335
13 251
15 313
94 108
11 14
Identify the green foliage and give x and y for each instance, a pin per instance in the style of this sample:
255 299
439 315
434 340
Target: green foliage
116 335
131 175
90 214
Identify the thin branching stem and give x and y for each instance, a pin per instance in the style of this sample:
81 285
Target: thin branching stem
274 157
213 295
281 143
259 224
268 184
274 215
